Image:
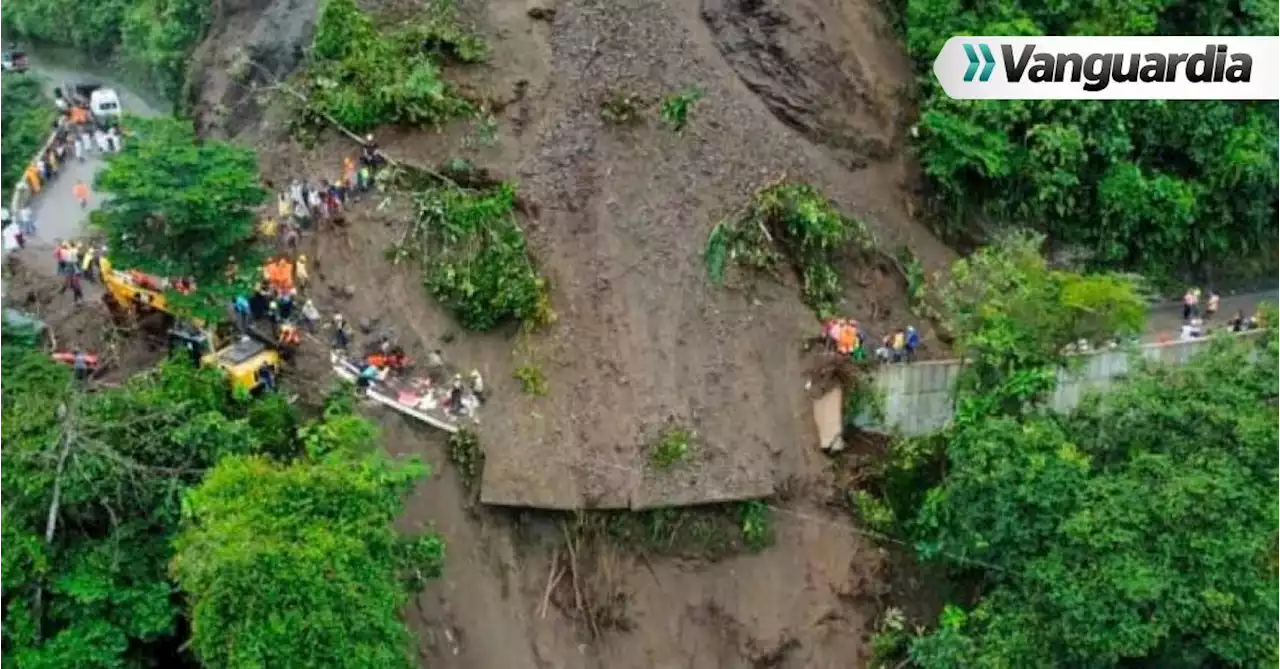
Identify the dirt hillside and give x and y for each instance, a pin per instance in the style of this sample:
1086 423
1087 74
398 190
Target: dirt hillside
619 218
806 88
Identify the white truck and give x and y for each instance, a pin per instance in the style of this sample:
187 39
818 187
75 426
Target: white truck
103 103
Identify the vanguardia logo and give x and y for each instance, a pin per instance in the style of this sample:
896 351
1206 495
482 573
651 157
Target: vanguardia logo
1239 68
988 62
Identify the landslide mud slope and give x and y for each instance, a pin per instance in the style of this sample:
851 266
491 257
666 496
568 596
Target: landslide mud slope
619 221
801 87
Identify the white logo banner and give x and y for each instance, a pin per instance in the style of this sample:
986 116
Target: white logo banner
1110 68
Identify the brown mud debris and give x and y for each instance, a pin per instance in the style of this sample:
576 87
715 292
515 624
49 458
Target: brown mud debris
617 218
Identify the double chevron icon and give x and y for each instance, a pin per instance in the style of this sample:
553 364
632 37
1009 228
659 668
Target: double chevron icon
988 62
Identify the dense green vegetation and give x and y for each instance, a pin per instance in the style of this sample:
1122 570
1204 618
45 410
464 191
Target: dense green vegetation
26 119
180 207
476 260
363 77
153 37
792 224
285 553
1156 187
1138 530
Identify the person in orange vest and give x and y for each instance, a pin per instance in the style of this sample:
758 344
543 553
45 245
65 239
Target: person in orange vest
81 191
846 338
349 172
33 178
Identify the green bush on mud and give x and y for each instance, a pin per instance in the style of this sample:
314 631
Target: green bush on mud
792 223
477 264
673 447
677 106
531 379
467 456
364 78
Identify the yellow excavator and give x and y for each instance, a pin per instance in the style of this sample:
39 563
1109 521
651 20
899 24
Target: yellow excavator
241 360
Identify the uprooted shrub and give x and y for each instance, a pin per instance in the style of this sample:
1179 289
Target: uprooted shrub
364 77
789 223
476 261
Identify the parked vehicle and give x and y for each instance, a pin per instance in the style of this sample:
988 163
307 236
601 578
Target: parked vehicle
13 61
102 103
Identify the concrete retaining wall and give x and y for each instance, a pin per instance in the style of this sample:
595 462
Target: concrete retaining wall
918 396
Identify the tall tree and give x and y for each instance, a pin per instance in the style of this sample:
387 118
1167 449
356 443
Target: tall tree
91 496
1138 531
180 206
1157 187
26 118
299 566
1013 315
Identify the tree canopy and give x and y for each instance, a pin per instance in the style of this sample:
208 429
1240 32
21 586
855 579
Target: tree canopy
1152 186
1137 530
180 206
153 38
1142 527
298 565
97 488
26 119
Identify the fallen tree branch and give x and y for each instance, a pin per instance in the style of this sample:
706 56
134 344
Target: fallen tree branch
553 579
328 118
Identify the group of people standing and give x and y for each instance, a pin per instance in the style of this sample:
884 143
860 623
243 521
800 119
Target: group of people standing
845 337
75 260
1194 317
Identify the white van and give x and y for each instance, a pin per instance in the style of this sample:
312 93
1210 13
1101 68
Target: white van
104 104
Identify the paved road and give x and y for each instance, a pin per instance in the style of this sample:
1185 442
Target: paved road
57 214
1166 319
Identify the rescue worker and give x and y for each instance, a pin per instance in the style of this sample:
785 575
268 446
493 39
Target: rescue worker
72 257
477 385
286 306
289 340
368 374
300 275
1189 300
1215 301
81 192
87 265
846 337
32 176
273 312
349 171
284 206
899 345
81 365
27 219
266 377
341 333
310 316
244 313
72 281
913 342
455 404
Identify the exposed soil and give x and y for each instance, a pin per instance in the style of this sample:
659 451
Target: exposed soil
32 288
618 220
221 80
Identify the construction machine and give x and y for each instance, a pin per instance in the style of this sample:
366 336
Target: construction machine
240 358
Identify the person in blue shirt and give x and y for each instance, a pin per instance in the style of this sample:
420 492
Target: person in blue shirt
243 313
267 377
367 376
913 342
